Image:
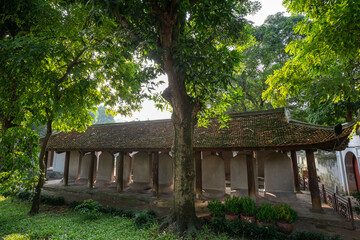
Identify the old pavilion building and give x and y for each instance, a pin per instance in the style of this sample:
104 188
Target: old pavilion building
254 145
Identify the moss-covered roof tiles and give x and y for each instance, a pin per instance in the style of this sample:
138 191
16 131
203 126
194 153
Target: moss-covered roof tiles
258 130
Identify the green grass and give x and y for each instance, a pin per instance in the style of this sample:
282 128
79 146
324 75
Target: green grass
64 223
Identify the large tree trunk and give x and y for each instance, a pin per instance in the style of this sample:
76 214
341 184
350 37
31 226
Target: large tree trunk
36 200
184 120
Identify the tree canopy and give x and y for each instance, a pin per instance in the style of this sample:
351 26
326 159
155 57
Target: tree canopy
323 73
198 45
263 58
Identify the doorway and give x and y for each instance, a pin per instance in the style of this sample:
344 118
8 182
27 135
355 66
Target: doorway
352 172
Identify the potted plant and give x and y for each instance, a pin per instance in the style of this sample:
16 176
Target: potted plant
285 217
232 208
248 209
265 214
216 208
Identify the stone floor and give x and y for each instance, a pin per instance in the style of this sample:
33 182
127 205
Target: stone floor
329 222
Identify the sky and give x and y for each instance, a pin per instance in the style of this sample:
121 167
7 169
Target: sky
149 112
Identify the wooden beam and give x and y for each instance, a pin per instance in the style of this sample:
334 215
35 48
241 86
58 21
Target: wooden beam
51 159
46 162
313 183
198 174
155 173
66 168
295 171
120 172
250 175
92 170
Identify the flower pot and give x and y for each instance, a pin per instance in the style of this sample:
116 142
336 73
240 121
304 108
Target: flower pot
247 218
231 217
285 227
264 223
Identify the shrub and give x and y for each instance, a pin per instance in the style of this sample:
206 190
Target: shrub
248 205
216 208
232 205
245 230
313 236
89 209
266 212
24 195
152 214
356 195
74 203
144 219
108 210
51 200
285 213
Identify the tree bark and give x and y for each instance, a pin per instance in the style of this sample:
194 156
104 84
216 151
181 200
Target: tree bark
36 200
184 120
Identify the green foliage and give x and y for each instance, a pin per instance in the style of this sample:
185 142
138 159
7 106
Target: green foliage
15 223
245 229
89 209
52 200
263 58
74 204
102 116
145 218
18 155
24 195
322 74
248 205
232 205
266 212
313 236
356 195
216 208
285 213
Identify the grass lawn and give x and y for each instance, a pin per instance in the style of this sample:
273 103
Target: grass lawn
64 223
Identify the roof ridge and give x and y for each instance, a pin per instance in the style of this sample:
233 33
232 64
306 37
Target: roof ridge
132 122
257 112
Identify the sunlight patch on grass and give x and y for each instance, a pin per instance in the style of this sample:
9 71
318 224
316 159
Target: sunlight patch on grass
16 236
2 198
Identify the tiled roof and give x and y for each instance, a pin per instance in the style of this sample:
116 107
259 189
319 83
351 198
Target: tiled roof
246 131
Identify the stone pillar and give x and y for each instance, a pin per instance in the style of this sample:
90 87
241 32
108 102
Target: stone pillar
92 170
66 168
106 167
278 176
238 175
295 171
198 175
313 183
142 177
251 175
213 176
155 173
120 172
81 155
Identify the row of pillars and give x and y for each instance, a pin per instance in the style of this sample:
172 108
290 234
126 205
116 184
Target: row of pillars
153 159
154 163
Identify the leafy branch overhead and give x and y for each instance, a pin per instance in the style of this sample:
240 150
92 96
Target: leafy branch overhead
324 70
